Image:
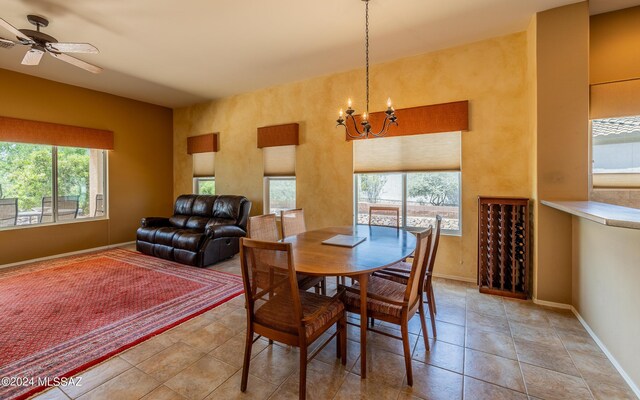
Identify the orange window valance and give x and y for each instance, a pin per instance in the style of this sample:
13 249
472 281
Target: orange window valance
37 132
278 135
207 143
435 118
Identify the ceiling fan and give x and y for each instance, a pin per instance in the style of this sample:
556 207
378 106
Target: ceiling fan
40 43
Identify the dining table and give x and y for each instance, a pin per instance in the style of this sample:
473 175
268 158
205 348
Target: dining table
382 247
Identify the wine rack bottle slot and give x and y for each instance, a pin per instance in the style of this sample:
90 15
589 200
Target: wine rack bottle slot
503 246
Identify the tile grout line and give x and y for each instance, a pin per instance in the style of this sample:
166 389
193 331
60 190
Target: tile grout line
108 380
524 381
574 362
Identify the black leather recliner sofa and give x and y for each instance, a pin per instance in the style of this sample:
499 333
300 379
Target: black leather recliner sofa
202 231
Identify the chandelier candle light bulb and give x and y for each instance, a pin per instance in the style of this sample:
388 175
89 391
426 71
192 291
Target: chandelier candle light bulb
390 115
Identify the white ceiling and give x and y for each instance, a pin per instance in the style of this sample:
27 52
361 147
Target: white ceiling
176 53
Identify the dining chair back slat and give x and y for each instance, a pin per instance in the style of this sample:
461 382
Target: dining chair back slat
419 267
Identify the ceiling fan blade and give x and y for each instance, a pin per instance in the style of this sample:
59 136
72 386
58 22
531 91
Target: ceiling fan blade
14 30
72 48
78 63
6 43
32 57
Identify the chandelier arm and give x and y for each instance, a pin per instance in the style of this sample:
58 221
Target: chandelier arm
383 130
355 127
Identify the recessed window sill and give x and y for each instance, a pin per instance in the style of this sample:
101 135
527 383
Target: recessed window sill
602 213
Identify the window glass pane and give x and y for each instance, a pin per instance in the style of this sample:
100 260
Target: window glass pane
282 194
25 175
80 183
616 145
205 186
433 193
73 183
380 190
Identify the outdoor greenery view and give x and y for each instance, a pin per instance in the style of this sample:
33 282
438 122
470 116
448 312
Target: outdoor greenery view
26 173
282 194
423 195
205 186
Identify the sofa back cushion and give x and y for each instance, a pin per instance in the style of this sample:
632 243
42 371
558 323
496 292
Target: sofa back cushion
228 207
197 211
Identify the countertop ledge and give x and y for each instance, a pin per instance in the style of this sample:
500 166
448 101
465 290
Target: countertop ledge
602 213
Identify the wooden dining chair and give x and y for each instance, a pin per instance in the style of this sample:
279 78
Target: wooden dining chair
401 271
278 310
292 223
265 228
394 302
384 210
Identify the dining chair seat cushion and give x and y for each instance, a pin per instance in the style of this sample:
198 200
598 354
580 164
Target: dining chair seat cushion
381 287
399 272
276 312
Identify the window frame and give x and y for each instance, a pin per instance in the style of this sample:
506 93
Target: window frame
197 180
404 191
266 202
55 191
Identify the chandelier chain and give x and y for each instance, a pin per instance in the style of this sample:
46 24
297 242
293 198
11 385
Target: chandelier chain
362 127
366 19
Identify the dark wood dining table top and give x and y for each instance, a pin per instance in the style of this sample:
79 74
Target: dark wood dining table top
382 247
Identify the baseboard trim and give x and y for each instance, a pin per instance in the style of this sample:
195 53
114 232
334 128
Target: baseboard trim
606 351
72 253
455 278
552 304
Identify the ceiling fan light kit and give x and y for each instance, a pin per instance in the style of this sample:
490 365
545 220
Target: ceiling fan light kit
41 43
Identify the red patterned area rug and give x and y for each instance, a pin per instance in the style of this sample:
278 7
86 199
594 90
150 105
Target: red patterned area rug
62 316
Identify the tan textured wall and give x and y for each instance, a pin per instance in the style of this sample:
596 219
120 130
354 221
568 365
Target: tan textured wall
562 141
532 103
605 288
495 153
140 167
614 39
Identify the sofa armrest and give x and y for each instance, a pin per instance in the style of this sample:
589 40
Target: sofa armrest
220 231
154 222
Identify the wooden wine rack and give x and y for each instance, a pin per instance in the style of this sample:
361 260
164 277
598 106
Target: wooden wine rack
503 246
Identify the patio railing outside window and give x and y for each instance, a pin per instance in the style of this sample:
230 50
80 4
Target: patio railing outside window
52 183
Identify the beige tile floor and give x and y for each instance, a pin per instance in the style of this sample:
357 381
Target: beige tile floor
487 348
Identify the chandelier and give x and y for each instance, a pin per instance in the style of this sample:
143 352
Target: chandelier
390 116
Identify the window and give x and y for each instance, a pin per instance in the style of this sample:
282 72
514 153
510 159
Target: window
52 183
279 178
419 174
420 196
279 194
616 152
204 185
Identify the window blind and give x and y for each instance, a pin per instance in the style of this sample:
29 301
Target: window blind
620 181
204 165
616 99
279 160
430 152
